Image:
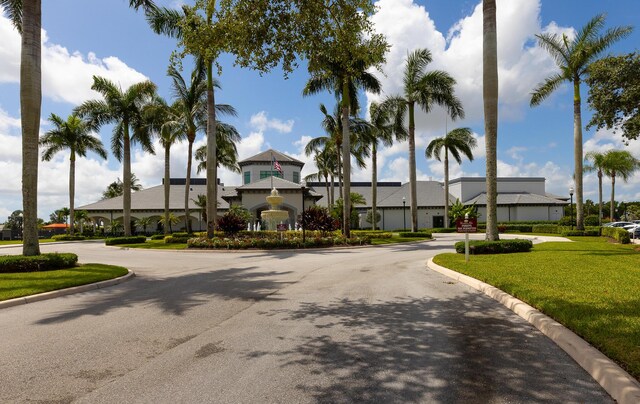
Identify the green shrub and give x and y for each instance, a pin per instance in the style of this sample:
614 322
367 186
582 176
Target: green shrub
43 262
377 234
274 243
157 237
179 234
414 234
545 228
495 247
319 219
126 240
591 220
231 223
68 237
523 228
441 230
619 234
173 239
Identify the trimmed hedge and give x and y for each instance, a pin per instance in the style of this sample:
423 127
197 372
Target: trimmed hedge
414 234
578 233
440 230
157 237
43 262
619 234
495 247
126 240
274 243
377 234
177 239
68 237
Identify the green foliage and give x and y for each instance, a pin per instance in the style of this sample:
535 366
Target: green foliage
591 220
68 237
176 238
458 211
157 237
580 233
441 230
372 234
545 228
415 234
43 262
275 242
125 240
318 218
495 247
233 221
369 218
620 235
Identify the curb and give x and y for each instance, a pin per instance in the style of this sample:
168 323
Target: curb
618 383
67 291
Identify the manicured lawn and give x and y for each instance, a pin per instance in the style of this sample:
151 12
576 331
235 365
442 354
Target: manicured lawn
396 239
9 242
592 286
29 283
155 245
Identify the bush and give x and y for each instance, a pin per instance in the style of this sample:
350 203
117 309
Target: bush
157 237
495 247
179 234
274 242
591 220
68 237
441 230
414 234
377 234
620 235
43 262
173 239
319 218
231 223
126 240
545 228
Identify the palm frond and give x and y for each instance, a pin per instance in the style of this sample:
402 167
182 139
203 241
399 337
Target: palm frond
546 88
13 9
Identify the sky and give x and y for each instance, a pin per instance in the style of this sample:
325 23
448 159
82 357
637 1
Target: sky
83 38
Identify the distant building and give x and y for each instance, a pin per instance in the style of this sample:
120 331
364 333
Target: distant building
519 198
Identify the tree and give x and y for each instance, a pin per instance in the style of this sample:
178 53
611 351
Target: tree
386 123
573 57
201 202
170 222
614 94
26 16
598 165
226 149
426 89
327 166
370 218
15 220
457 141
75 135
116 188
144 222
125 110
59 215
356 199
490 106
619 163
81 217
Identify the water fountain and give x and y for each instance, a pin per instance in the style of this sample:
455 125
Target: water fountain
274 215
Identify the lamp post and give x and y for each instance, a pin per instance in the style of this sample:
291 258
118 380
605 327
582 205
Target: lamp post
20 222
304 186
571 206
404 213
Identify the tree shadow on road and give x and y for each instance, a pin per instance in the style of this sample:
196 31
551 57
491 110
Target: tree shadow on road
176 295
459 350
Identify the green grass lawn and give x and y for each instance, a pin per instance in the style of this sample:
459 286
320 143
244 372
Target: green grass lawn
155 245
29 283
10 242
592 286
396 239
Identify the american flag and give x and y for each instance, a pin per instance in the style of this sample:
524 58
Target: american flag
277 166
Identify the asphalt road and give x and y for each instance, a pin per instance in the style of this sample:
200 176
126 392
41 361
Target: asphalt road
338 326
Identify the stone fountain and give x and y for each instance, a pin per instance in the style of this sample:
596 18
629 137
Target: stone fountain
274 215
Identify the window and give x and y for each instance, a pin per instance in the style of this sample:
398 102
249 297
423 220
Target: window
296 177
247 177
266 174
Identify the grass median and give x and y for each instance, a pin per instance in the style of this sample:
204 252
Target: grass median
591 286
21 284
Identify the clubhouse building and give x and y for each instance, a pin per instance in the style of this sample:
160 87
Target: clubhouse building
519 198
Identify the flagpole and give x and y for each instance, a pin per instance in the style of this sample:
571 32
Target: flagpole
271 173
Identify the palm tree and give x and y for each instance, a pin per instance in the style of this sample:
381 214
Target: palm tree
26 16
227 150
201 202
125 110
116 188
426 89
457 141
144 222
385 126
619 163
327 165
598 165
170 221
73 134
573 57
344 83
490 106
81 217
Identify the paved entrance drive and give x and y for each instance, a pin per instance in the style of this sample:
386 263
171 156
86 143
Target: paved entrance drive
359 325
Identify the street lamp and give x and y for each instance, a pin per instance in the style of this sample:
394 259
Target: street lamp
404 213
571 210
21 223
304 238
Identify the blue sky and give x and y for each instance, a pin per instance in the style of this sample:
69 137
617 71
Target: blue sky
87 37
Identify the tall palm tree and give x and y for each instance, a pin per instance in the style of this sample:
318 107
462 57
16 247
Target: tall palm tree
327 165
386 124
344 83
622 164
125 110
201 202
490 106
116 188
573 57
144 222
26 16
73 134
455 142
598 164
426 89
227 150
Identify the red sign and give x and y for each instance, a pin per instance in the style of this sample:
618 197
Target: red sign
467 225
282 227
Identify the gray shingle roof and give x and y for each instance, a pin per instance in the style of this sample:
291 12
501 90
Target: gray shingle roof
515 198
265 157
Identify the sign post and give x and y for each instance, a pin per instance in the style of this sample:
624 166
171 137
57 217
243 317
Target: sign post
466 226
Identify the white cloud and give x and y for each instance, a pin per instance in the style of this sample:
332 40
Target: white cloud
261 122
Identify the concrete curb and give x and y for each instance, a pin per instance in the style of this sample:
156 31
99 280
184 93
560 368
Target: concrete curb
68 291
618 383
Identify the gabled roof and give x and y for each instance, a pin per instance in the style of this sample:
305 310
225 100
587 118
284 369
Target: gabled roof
265 157
508 198
266 184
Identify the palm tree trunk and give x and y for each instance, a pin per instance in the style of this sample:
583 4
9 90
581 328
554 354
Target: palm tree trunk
600 197
346 156
613 195
339 170
577 153
72 190
167 186
413 197
187 216
446 187
374 183
126 180
30 104
490 101
212 160
326 184
332 199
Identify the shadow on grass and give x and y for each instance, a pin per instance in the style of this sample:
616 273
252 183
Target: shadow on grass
457 350
176 295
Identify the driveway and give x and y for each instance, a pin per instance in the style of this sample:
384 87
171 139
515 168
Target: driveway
343 325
